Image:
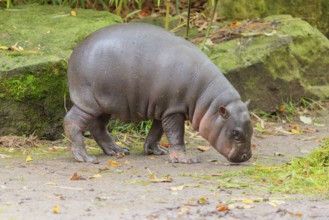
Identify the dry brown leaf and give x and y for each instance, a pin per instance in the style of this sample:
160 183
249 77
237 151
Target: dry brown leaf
164 144
114 163
222 207
203 148
281 108
76 176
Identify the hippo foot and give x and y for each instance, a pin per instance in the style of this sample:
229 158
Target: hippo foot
182 158
155 149
84 157
116 151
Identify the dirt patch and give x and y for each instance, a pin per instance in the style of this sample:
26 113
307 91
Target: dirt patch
42 188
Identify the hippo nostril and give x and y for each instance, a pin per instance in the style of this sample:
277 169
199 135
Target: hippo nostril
244 157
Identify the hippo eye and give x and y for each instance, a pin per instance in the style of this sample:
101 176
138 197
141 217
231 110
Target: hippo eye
236 135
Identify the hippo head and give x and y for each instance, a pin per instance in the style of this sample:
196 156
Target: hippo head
229 130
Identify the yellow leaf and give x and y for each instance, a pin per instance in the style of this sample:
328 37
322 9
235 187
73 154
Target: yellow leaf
202 201
73 13
299 215
248 201
155 179
3 48
56 209
127 162
28 158
120 144
114 163
295 131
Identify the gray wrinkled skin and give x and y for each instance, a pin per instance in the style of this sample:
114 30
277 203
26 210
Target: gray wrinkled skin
138 72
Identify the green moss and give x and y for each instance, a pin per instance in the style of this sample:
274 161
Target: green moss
273 67
314 11
33 88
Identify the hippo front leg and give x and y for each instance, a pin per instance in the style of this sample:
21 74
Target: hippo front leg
75 122
173 126
152 143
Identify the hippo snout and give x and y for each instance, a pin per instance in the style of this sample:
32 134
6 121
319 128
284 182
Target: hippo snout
239 158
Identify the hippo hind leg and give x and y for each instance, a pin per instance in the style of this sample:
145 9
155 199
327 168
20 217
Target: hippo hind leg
75 122
152 142
98 129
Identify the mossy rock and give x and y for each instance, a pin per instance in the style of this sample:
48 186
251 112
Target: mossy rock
33 91
316 12
281 66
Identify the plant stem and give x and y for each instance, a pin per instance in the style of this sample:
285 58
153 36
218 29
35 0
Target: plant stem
167 14
188 19
119 8
8 3
209 25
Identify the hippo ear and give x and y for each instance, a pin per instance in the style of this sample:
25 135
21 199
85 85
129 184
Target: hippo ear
223 112
247 103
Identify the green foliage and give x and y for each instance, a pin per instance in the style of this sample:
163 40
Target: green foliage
142 127
307 175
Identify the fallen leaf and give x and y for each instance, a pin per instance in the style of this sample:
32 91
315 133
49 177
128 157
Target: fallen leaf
275 203
183 211
299 215
295 131
248 201
120 155
76 176
155 179
235 24
120 144
96 176
203 148
222 207
217 174
56 209
305 119
164 144
177 188
73 13
127 162
52 149
202 201
28 158
103 170
4 48
114 163
281 108
3 156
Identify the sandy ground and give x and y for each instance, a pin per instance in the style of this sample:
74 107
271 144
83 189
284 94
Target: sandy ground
42 189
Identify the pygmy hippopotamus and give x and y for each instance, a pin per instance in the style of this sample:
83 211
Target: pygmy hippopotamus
137 72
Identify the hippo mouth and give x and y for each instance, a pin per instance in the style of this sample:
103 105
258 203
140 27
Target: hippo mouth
237 156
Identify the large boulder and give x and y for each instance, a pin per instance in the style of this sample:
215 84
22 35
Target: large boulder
33 91
284 63
316 12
